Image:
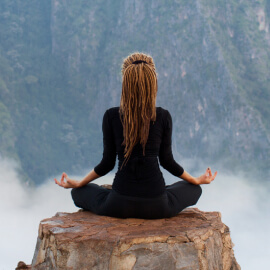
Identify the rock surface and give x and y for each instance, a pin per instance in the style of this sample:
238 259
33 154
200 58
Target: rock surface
22 265
82 240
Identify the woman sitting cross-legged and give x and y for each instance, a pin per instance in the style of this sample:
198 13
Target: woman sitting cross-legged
140 135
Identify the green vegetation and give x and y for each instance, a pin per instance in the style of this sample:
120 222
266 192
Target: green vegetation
60 69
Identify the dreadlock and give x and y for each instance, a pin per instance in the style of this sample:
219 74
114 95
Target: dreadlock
138 100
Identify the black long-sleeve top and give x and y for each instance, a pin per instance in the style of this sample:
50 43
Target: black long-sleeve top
141 176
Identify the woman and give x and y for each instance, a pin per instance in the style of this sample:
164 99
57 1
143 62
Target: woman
139 133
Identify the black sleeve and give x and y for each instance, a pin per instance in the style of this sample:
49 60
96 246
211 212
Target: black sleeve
109 150
165 152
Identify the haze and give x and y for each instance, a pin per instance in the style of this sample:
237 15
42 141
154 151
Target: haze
244 206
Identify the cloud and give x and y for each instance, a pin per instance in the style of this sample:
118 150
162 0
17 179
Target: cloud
22 208
244 206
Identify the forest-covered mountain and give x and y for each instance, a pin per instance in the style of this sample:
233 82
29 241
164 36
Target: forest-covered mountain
60 69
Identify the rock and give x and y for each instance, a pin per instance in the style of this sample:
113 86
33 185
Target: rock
22 265
191 240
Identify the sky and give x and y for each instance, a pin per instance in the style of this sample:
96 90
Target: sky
244 206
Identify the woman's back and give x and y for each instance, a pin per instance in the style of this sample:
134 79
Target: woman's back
141 175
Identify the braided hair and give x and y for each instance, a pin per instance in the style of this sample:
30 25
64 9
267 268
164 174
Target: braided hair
138 100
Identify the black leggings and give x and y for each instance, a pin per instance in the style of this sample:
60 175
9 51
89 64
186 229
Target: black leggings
107 202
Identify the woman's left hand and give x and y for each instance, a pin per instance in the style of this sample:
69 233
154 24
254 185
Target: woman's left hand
206 178
69 183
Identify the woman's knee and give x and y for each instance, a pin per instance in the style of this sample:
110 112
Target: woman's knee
197 191
74 193
194 192
76 197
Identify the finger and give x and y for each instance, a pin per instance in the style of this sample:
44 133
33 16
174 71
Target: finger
62 181
66 176
209 170
214 176
56 182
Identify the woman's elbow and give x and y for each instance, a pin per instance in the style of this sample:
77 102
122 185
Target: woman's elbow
163 163
109 167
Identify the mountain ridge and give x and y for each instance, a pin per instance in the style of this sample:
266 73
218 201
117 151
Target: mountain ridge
61 69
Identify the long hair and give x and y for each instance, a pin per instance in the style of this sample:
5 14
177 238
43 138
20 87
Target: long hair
138 100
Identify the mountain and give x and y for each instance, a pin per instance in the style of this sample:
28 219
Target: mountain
60 69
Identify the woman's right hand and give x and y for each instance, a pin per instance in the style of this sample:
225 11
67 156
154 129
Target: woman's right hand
206 178
69 183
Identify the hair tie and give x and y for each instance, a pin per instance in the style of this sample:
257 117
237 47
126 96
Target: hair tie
139 61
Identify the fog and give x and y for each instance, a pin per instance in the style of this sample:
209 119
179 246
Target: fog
244 207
